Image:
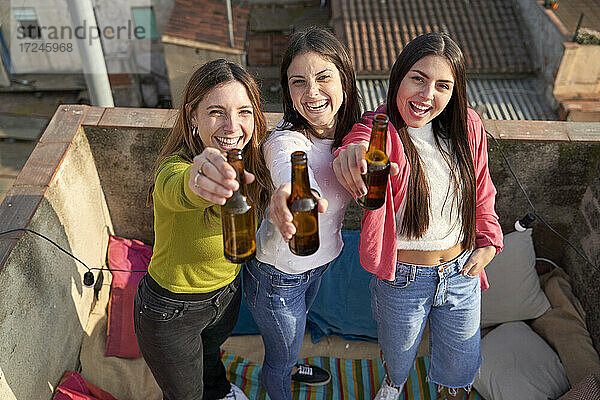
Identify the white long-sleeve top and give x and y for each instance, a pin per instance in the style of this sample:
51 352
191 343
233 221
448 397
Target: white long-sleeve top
277 150
444 215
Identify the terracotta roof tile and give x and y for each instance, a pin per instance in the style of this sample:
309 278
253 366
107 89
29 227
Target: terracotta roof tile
206 21
489 32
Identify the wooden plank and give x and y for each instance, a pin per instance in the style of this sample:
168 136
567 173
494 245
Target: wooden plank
64 124
120 117
199 45
584 131
491 127
541 131
93 116
18 208
42 164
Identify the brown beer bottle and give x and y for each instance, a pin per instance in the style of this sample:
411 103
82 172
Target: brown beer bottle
237 217
378 166
303 206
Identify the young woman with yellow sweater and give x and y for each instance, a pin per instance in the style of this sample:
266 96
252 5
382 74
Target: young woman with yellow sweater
188 303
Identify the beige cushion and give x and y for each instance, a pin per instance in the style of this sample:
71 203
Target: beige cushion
563 327
518 364
515 293
587 389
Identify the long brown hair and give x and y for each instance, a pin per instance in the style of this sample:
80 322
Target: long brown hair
324 43
182 142
450 125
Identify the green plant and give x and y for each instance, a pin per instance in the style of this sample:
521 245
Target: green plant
587 36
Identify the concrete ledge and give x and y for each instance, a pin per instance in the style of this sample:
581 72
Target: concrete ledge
43 304
544 131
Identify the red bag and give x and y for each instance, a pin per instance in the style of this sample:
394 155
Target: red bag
74 387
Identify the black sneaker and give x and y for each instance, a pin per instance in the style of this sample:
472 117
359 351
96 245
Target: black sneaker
311 375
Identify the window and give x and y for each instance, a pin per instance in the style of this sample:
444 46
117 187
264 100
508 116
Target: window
28 23
145 23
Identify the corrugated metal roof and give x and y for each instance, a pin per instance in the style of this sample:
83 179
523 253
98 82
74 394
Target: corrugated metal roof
373 92
511 99
490 33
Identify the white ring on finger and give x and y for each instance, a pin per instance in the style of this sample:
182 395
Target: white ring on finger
201 167
196 179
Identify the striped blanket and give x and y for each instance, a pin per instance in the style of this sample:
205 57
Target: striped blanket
350 380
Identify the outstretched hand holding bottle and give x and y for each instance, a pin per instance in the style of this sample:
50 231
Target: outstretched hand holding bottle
212 178
237 217
280 213
362 168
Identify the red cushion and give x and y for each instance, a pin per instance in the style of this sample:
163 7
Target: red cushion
74 387
124 254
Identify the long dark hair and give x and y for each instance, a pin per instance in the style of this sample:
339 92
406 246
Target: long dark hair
182 142
450 124
325 44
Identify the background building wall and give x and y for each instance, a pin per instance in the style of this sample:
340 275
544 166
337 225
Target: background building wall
132 55
182 61
50 13
545 37
4 31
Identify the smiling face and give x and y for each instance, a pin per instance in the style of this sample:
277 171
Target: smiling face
316 91
225 117
425 90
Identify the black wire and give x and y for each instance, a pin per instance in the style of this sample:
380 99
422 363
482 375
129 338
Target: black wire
579 252
66 252
512 172
565 239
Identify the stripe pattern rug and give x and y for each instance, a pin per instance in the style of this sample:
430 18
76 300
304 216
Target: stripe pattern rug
350 380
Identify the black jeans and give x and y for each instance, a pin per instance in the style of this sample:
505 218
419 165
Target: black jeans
180 340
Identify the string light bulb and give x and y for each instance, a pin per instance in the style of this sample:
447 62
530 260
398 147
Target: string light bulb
88 279
525 222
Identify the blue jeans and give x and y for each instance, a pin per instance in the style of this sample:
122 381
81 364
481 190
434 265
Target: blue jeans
452 303
180 340
279 303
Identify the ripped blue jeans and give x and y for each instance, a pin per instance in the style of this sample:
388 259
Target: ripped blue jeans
450 300
279 303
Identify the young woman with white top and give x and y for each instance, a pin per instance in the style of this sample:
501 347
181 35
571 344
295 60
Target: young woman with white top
321 104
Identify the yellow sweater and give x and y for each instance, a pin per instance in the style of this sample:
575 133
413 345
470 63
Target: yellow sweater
188 253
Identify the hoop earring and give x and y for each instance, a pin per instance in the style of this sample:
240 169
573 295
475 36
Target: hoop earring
194 130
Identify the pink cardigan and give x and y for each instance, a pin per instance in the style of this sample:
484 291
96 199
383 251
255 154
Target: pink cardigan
378 237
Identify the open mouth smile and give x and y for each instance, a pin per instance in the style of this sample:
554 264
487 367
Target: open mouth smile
228 142
419 109
316 106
